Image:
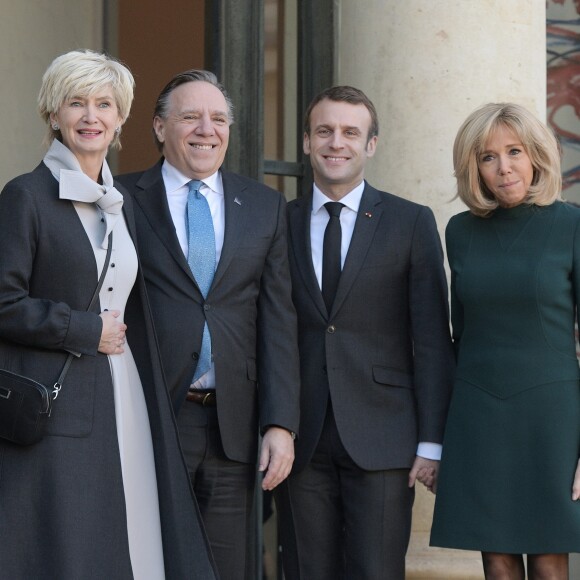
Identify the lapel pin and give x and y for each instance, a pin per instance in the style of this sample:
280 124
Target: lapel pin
237 200
368 214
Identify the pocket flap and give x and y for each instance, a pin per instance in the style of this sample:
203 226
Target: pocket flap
393 377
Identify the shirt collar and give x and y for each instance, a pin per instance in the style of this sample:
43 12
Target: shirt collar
174 179
350 200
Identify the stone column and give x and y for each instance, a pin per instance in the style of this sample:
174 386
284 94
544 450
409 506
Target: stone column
426 65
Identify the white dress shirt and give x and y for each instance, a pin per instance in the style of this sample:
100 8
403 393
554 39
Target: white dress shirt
318 221
177 189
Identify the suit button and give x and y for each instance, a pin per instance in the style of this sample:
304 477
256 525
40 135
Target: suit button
206 307
195 356
331 329
324 370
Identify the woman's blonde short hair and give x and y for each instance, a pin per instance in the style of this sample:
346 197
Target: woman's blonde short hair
81 73
537 139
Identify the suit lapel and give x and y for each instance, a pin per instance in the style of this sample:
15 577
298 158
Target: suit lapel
236 208
128 212
299 224
367 220
152 199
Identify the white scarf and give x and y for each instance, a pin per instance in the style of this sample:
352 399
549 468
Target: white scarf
76 185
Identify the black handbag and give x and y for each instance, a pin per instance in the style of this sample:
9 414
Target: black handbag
26 404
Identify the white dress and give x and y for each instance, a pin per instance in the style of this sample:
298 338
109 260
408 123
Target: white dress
133 430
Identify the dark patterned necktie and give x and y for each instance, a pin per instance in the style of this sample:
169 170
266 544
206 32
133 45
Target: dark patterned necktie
331 258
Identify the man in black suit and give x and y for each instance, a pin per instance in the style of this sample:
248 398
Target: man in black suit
240 310
375 353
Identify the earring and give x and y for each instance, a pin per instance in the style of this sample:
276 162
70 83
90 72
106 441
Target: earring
55 127
118 130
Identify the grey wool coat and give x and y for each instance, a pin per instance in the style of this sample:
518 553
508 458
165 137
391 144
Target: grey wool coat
62 510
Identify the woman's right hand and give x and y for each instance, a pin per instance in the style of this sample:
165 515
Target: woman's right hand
113 333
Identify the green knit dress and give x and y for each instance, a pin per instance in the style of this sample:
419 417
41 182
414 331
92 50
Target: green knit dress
512 439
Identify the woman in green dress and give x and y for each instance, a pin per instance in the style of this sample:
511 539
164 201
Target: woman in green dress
509 479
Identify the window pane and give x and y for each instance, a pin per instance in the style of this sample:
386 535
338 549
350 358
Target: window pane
281 88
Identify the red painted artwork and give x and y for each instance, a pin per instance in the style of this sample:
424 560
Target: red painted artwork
563 42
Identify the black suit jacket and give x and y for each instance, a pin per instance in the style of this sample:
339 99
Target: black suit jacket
248 308
384 352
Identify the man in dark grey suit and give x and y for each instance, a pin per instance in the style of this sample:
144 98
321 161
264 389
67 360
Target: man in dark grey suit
239 310
375 352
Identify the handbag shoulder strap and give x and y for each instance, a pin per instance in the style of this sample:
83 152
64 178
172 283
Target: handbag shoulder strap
103 273
58 385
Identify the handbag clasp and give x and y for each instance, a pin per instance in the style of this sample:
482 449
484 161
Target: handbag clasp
56 390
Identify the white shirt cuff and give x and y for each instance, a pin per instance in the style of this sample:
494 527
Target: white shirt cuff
429 451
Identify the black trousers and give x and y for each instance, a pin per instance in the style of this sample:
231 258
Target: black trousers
224 491
340 522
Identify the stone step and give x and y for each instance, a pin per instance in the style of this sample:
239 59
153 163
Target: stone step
426 563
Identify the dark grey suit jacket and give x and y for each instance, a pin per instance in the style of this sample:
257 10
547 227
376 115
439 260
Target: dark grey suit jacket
384 352
248 308
58 496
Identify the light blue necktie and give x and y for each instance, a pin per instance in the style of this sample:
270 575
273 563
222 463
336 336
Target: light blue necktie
201 259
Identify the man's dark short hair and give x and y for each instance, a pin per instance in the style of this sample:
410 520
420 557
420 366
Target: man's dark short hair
346 94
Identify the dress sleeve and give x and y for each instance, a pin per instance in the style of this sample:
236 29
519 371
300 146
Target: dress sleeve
576 271
451 235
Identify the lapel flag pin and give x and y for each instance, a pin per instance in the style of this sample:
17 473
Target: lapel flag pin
368 214
237 200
